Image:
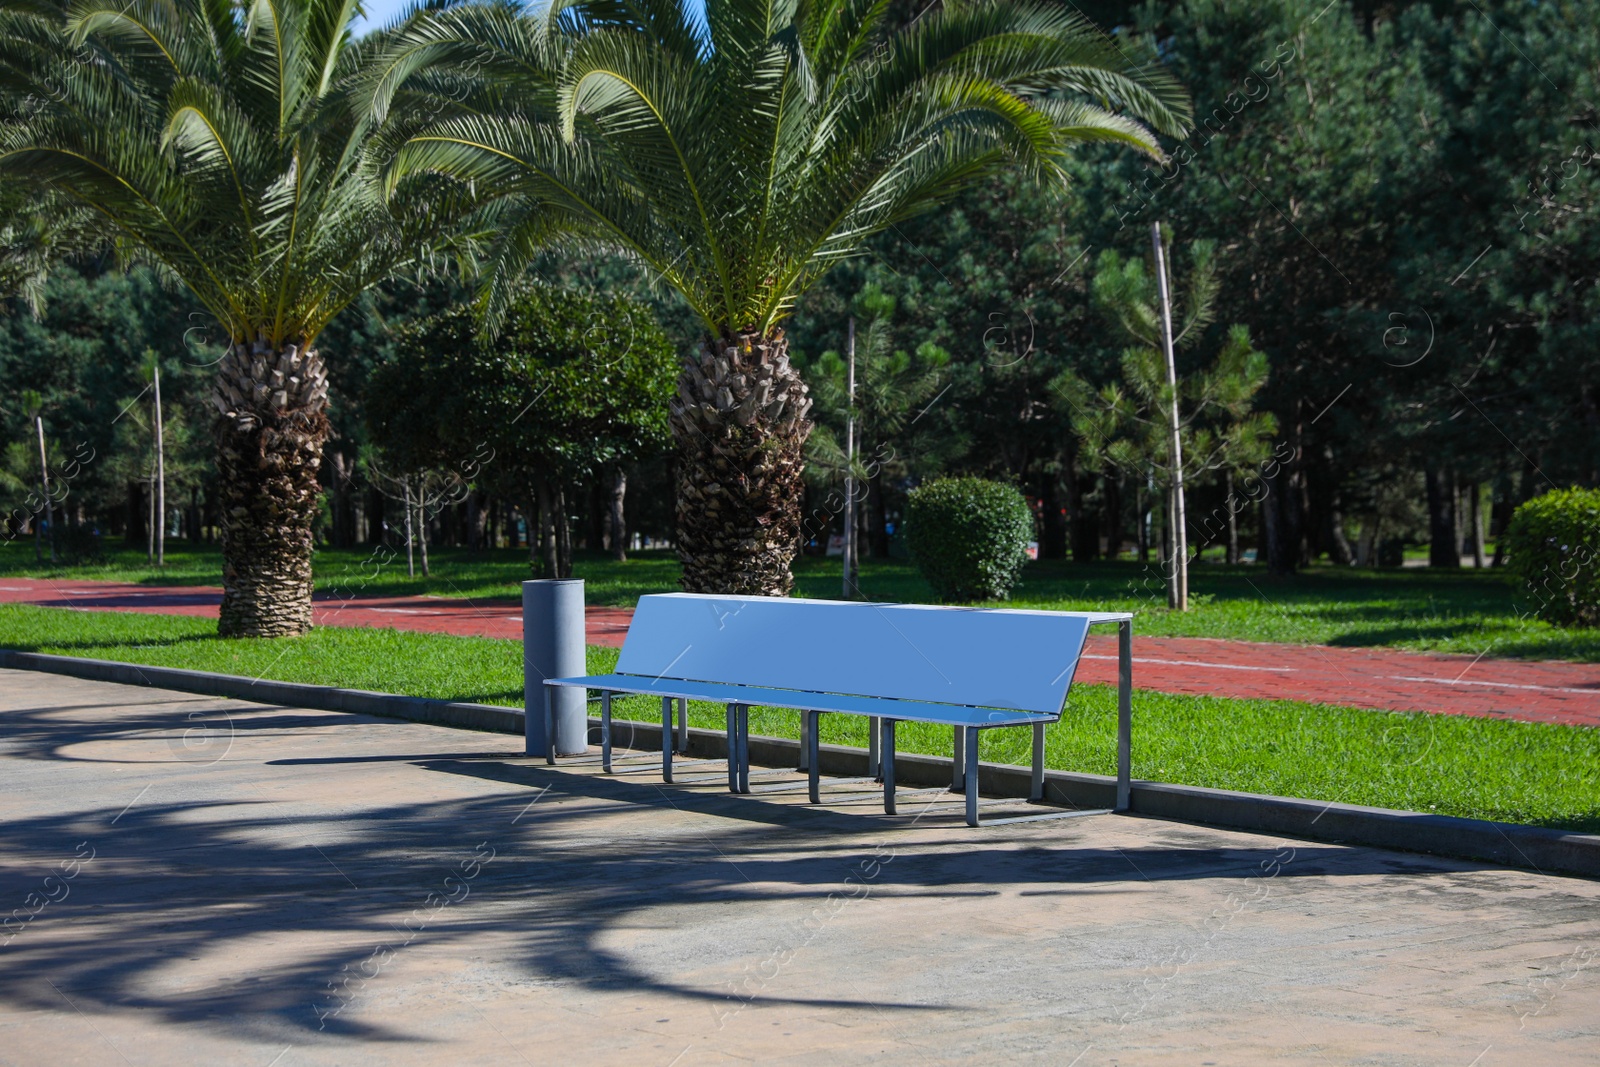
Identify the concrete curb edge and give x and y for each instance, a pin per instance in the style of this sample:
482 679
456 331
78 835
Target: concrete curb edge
1513 845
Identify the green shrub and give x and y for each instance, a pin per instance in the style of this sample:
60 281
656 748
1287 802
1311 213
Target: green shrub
968 537
1554 546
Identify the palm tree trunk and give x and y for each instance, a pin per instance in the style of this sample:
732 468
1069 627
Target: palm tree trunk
740 420
271 429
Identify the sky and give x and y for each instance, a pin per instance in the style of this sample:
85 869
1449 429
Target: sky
381 12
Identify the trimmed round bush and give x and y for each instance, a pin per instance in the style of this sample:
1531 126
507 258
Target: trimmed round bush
1553 543
969 537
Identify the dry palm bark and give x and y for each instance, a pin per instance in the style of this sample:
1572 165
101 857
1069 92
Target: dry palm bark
271 428
740 421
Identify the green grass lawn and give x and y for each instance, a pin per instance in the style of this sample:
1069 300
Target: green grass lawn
1483 768
1465 611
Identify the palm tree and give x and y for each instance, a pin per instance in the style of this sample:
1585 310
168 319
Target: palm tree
738 162
211 139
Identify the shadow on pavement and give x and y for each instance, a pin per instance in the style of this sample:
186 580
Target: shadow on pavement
251 857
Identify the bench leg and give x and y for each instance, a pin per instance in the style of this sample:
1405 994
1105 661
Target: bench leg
549 725
1036 787
805 746
813 773
683 725
1124 714
874 754
666 739
958 762
733 751
605 732
744 747
972 775
888 766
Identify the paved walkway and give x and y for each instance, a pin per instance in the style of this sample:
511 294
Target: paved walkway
1357 677
205 881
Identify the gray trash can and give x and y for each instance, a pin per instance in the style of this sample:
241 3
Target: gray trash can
553 647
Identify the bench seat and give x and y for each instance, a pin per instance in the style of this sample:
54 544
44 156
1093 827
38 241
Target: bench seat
803 700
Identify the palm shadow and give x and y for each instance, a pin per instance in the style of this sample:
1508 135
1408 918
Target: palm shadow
566 861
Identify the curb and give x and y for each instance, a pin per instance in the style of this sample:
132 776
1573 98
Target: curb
321 697
1508 844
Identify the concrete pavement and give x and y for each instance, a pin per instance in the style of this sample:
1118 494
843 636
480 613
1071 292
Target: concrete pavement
198 880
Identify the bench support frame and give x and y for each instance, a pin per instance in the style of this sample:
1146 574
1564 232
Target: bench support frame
886 764
668 741
605 731
813 772
971 774
964 775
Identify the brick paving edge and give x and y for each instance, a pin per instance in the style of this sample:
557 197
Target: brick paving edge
1535 848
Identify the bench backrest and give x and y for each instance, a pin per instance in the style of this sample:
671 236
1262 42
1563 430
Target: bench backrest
983 657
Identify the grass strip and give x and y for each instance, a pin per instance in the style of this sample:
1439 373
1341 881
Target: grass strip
1464 611
1533 773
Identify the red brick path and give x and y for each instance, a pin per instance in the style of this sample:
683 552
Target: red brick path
1358 677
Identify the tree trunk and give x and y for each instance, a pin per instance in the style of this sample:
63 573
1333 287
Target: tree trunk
563 533
1280 536
474 520
617 517
1111 512
1500 516
270 433
1085 519
376 514
1232 504
161 477
1052 521
545 538
137 529
878 508
339 487
599 515
740 422
411 533
1475 507
1141 514
1443 548
422 525
1171 548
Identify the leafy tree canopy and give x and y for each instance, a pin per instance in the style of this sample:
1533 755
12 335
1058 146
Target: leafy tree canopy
574 382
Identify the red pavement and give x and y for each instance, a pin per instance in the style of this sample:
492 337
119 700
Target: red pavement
1380 678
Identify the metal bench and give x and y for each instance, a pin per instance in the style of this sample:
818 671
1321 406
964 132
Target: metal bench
968 668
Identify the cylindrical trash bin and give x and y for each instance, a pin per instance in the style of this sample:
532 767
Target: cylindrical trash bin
553 647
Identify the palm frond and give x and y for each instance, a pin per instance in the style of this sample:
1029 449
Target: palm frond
742 163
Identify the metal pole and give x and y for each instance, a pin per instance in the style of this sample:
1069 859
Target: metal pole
161 477
1124 714
1180 539
44 482
553 647
850 461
